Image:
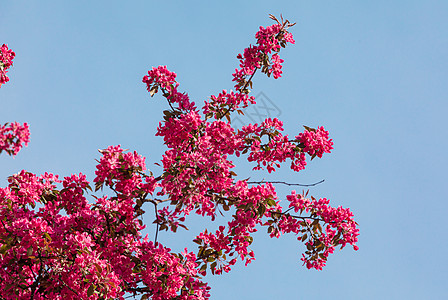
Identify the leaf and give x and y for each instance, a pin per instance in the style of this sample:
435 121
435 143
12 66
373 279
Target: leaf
4 248
183 226
91 290
320 246
98 268
309 128
304 237
98 185
271 202
261 210
29 251
319 227
153 90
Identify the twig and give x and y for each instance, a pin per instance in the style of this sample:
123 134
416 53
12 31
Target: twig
285 183
157 224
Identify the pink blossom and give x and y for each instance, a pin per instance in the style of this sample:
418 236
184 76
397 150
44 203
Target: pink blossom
13 136
316 142
6 57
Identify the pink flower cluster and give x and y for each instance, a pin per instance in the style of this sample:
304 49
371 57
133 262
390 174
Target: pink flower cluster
277 149
165 80
263 55
6 57
315 141
339 230
218 105
67 248
13 136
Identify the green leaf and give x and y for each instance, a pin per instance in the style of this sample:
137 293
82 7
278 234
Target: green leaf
271 202
4 248
261 210
47 236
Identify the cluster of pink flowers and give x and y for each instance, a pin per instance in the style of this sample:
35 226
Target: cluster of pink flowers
277 148
315 141
165 80
6 57
13 136
218 105
91 251
56 244
339 229
263 55
167 274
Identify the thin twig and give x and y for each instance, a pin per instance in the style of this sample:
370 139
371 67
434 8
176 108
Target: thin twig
157 224
285 183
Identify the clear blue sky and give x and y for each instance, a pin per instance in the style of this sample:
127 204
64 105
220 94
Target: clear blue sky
374 73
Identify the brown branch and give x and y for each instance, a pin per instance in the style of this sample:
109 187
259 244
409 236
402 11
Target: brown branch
285 183
157 224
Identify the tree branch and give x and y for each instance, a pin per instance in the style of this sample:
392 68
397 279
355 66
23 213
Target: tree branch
285 183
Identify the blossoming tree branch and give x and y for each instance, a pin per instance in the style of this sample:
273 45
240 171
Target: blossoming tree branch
56 244
12 136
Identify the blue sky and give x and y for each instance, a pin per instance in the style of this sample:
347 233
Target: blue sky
374 73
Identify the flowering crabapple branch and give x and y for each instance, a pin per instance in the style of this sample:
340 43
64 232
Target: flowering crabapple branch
13 136
256 57
55 244
193 130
